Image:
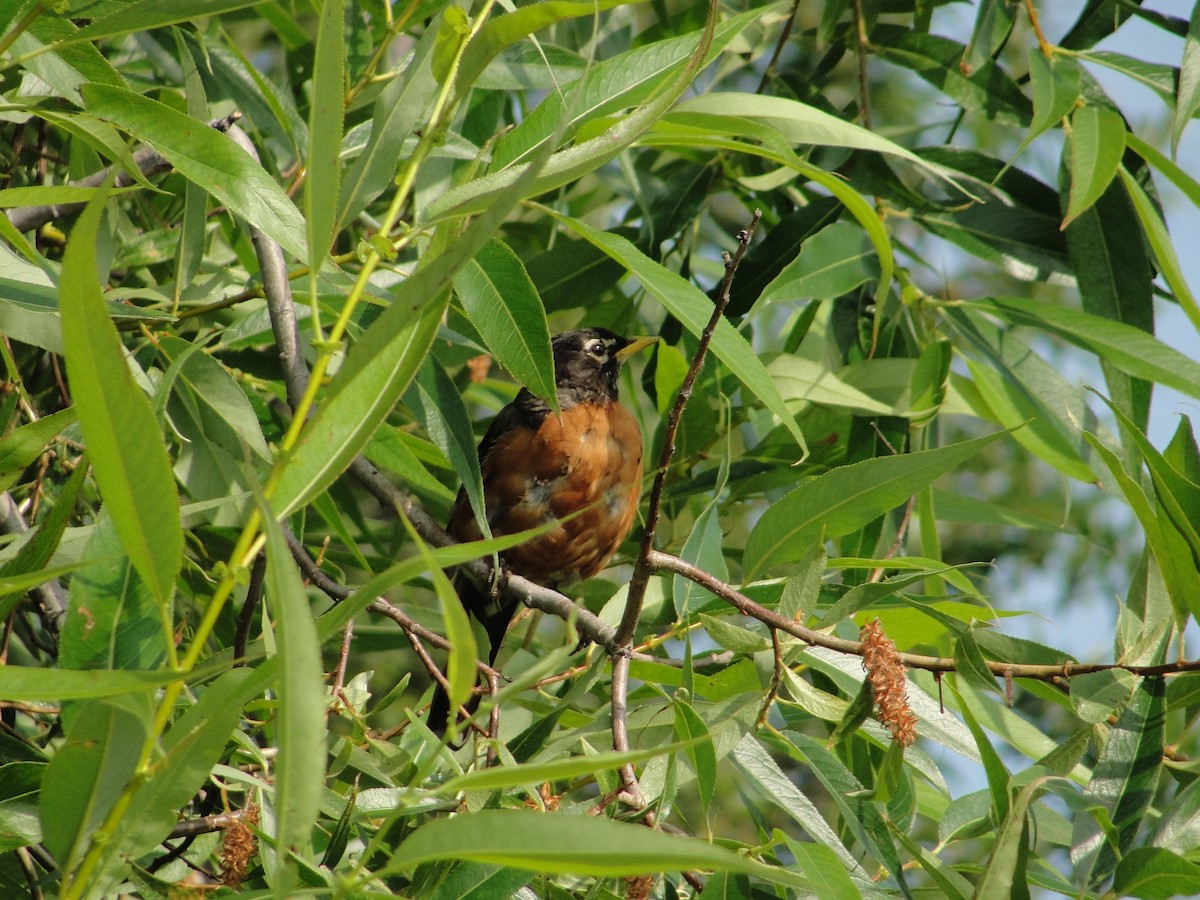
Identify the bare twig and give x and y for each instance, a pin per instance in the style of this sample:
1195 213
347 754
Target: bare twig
51 597
339 673
148 161
642 569
278 291
205 824
769 72
253 596
776 677
864 85
665 562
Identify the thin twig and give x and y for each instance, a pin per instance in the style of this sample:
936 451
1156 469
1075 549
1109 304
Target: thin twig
339 673
641 571
776 677
277 289
769 72
1044 45
665 562
864 85
148 161
253 596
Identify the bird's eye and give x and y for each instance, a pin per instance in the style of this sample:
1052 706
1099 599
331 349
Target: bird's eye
596 349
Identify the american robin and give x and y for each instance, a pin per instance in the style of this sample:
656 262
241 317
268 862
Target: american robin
584 463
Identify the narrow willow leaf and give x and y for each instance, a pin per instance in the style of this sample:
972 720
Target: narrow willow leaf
1187 98
124 442
189 750
567 165
500 32
461 661
27 683
1170 549
147 14
36 553
1130 349
986 91
1154 873
775 786
690 727
323 163
1013 407
1097 141
688 303
1005 873
21 446
833 262
206 157
300 735
500 777
1124 783
847 498
1055 83
609 85
1164 250
397 112
502 302
570 844
89 771
439 407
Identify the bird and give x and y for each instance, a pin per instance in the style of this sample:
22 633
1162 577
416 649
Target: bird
580 467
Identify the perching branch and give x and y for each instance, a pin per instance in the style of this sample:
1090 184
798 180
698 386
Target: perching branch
641 569
148 160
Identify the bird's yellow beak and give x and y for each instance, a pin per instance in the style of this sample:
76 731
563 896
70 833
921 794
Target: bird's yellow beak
636 344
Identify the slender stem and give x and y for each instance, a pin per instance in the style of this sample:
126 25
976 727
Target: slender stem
641 572
769 72
1044 45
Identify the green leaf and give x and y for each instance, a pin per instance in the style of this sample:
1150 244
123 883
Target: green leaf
396 113
189 750
1124 781
1152 873
610 85
207 158
300 735
323 164
567 165
21 446
1055 84
500 777
702 548
691 728
798 122
570 844
1005 873
733 637
144 15
1097 142
219 404
436 403
833 262
1160 242
774 785
1187 97
845 499
502 302
35 554
690 306
29 683
89 771
124 442
986 90
502 31
1129 349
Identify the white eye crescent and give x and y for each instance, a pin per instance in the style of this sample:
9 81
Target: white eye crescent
596 349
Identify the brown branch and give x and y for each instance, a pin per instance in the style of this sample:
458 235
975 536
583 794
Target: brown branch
277 289
665 562
205 824
769 72
641 571
1044 45
148 160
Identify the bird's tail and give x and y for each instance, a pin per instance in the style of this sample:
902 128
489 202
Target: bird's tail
494 613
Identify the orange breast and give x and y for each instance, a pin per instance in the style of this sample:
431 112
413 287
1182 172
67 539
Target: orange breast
587 462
